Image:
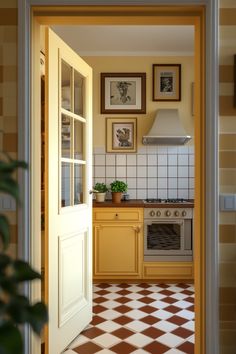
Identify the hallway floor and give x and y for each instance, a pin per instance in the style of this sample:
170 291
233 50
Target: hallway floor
140 318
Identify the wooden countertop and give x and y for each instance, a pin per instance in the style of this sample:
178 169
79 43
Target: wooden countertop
139 203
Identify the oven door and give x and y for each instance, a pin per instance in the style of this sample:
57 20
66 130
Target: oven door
164 238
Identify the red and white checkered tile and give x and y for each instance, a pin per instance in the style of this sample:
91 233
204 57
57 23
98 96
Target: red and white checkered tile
140 318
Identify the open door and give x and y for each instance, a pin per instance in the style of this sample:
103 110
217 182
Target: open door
68 205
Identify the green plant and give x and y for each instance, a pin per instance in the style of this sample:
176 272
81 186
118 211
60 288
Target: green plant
118 186
15 308
100 187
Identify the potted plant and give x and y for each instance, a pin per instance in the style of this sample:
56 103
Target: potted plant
100 190
117 189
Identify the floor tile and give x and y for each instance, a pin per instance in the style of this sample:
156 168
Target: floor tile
139 318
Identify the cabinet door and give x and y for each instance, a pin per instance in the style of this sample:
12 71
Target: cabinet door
117 250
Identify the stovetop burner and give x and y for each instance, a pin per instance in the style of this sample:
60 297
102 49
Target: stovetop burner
169 200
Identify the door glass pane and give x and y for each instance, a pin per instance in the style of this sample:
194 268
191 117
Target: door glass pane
79 93
164 236
66 130
66 101
78 184
65 184
78 139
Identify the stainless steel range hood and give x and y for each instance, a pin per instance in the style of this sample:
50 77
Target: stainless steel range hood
166 129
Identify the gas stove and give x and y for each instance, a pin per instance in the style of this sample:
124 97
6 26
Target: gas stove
169 200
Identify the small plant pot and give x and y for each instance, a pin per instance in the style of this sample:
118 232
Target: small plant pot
116 197
100 197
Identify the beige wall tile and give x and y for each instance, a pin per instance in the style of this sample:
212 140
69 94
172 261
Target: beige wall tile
8 4
226 104
9 106
227 234
10 142
228 253
226 73
227 124
227 159
227 142
10 89
226 89
227 295
9 54
10 125
227 3
227 17
10 73
228 218
227 274
10 34
228 312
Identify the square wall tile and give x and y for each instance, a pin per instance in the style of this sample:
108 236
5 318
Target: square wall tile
120 171
183 149
131 171
142 150
172 193
131 160
191 193
152 193
141 171
152 150
172 183
110 160
172 160
162 193
182 183
152 171
152 160
141 183
141 160
132 193
99 150
172 171
191 171
162 171
132 182
172 150
162 149
191 183
162 160
182 171
162 183
191 149
121 160
99 171
110 171
100 160
183 193
141 193
183 160
152 183
191 160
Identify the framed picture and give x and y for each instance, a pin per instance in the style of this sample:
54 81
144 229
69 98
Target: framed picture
121 135
123 93
166 82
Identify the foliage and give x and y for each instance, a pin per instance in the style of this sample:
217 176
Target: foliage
15 308
100 187
118 186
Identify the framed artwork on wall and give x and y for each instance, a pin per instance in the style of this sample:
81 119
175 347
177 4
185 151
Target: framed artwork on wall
123 93
166 79
121 135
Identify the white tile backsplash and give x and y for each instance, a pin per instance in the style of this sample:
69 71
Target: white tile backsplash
121 160
154 172
141 171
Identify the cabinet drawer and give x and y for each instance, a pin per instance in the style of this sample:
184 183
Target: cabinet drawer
119 214
168 270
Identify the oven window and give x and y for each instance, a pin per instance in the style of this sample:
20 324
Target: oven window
163 236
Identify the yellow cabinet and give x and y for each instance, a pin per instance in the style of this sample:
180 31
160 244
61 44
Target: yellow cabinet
118 243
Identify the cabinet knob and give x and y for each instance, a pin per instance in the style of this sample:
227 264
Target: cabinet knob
137 229
116 216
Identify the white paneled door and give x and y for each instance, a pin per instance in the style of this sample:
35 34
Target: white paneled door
68 134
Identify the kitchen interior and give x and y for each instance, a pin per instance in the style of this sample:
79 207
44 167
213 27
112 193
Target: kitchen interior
143 245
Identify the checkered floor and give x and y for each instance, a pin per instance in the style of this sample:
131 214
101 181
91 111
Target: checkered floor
140 318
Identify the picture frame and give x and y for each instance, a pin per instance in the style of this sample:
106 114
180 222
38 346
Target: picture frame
121 135
123 93
166 82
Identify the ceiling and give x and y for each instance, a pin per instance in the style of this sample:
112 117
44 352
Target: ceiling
129 40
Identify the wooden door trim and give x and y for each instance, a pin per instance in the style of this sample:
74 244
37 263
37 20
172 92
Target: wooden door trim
200 264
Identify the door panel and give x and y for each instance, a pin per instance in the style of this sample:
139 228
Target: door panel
68 203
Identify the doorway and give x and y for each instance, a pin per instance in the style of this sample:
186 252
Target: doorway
155 15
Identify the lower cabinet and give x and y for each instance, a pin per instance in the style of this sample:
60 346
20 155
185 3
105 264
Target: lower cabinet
118 243
168 270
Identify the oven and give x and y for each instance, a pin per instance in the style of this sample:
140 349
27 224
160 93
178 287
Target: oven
168 234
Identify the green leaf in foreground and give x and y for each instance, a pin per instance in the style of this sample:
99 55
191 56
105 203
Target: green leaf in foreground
10 339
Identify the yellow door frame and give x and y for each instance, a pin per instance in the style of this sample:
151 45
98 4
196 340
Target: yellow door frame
146 15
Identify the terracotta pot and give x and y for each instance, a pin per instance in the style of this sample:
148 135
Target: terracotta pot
116 197
100 197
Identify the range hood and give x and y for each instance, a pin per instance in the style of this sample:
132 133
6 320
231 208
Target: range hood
166 129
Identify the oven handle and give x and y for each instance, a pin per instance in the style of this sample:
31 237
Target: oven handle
149 222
